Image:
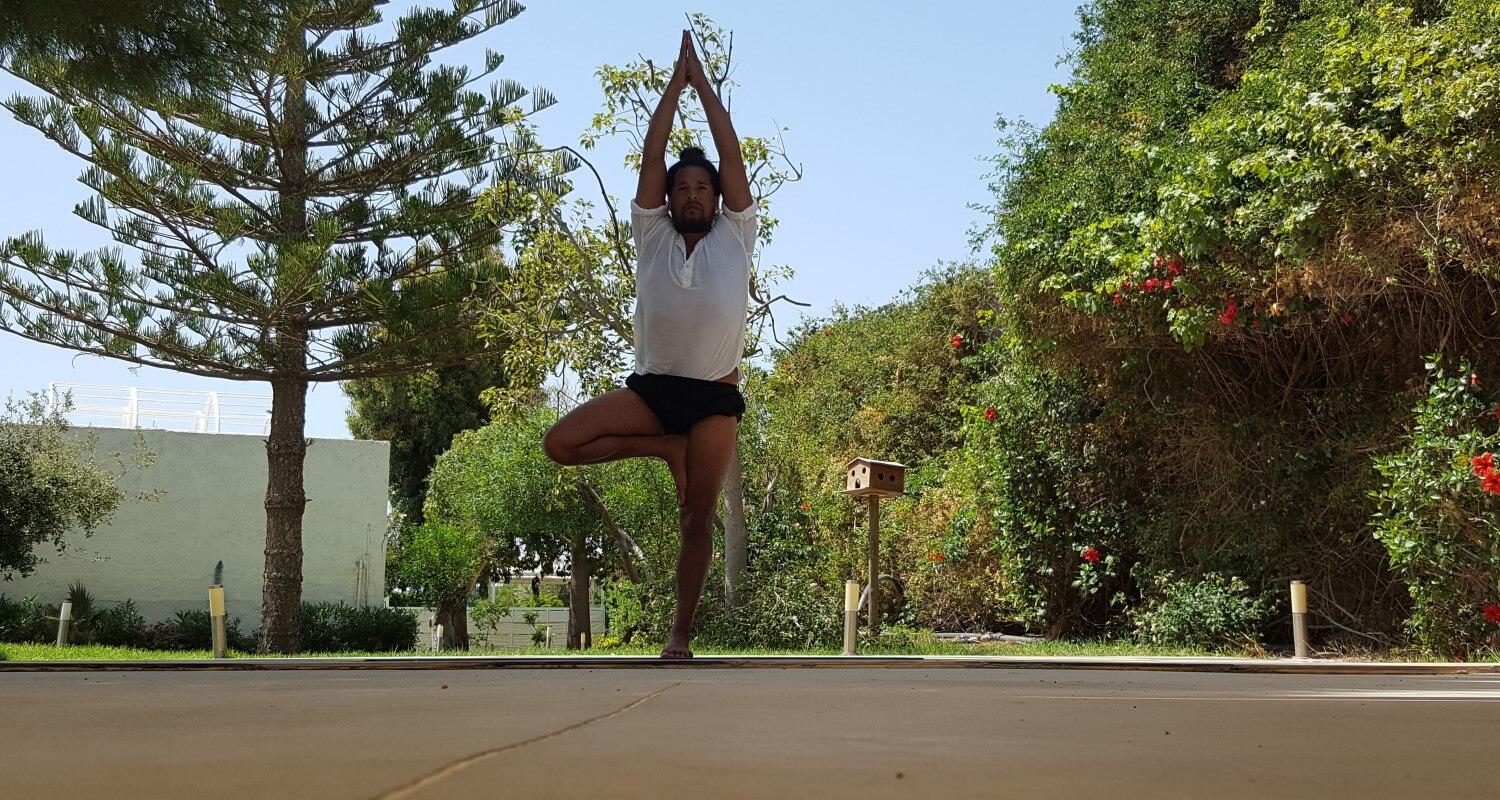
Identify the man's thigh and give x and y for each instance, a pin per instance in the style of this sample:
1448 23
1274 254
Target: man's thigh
621 412
710 451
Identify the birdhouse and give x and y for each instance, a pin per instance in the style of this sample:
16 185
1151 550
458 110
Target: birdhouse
865 477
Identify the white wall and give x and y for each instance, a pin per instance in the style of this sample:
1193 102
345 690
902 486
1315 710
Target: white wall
161 553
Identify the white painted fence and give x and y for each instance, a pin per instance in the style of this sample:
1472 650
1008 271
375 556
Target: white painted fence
513 631
164 409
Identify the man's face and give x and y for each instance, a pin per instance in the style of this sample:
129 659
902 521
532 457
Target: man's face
692 200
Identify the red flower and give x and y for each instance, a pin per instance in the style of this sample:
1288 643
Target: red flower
957 341
804 506
1492 612
1158 261
1474 379
1091 555
1167 284
1491 483
1483 464
936 557
1229 311
989 413
1347 319
1151 284
1497 411
1126 286
1174 266
1117 299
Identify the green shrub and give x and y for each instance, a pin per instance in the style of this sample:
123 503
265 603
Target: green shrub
53 484
162 635
1437 521
122 625
1209 613
379 629
25 622
784 609
508 595
336 627
623 612
1039 522
488 614
193 630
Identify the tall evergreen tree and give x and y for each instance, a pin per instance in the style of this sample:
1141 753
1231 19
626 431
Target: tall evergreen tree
312 220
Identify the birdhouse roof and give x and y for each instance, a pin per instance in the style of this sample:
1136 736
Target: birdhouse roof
872 462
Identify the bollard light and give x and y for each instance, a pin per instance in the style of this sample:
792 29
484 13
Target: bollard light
1299 619
64 622
216 614
851 617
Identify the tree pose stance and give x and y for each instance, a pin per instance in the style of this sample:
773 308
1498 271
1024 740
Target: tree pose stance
682 404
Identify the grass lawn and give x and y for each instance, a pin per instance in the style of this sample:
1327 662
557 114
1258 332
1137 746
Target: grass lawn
45 652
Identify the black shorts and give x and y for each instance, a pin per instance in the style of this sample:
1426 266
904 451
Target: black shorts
680 403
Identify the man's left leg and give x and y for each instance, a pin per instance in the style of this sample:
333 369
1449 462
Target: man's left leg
710 451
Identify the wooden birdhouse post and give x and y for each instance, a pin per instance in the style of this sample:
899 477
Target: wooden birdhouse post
868 478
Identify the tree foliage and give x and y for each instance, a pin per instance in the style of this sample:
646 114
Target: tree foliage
126 47
419 414
1216 276
1246 228
53 484
496 483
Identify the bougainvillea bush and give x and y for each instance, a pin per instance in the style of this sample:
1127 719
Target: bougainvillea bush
1439 513
1247 227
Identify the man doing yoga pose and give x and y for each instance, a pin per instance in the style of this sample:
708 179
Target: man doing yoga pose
682 404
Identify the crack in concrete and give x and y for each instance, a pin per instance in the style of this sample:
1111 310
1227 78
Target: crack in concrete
424 781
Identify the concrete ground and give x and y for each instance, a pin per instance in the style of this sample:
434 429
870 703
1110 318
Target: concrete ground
626 732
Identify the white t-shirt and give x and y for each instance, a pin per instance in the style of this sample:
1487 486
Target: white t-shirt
690 313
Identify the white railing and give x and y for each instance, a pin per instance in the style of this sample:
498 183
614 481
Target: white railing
165 409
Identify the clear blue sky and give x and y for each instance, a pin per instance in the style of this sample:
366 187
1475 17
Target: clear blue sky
890 107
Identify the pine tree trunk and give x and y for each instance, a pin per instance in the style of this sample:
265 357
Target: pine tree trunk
578 596
286 451
286 447
736 534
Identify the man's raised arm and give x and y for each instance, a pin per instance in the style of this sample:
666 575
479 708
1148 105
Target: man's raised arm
734 183
651 190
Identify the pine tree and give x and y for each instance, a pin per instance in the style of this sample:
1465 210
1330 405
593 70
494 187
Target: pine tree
310 220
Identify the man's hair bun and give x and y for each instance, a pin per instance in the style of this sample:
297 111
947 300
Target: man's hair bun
693 157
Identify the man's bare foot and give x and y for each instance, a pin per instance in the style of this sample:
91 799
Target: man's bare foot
676 648
676 459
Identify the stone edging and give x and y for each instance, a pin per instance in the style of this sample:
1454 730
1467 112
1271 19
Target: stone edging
1154 664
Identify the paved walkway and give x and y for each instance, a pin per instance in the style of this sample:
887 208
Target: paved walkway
631 731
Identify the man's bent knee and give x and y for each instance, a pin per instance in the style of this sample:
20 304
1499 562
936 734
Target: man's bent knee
556 449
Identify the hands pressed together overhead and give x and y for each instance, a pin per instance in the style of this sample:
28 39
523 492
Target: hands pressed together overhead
689 69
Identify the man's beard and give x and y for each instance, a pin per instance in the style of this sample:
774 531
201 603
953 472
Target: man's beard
695 225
